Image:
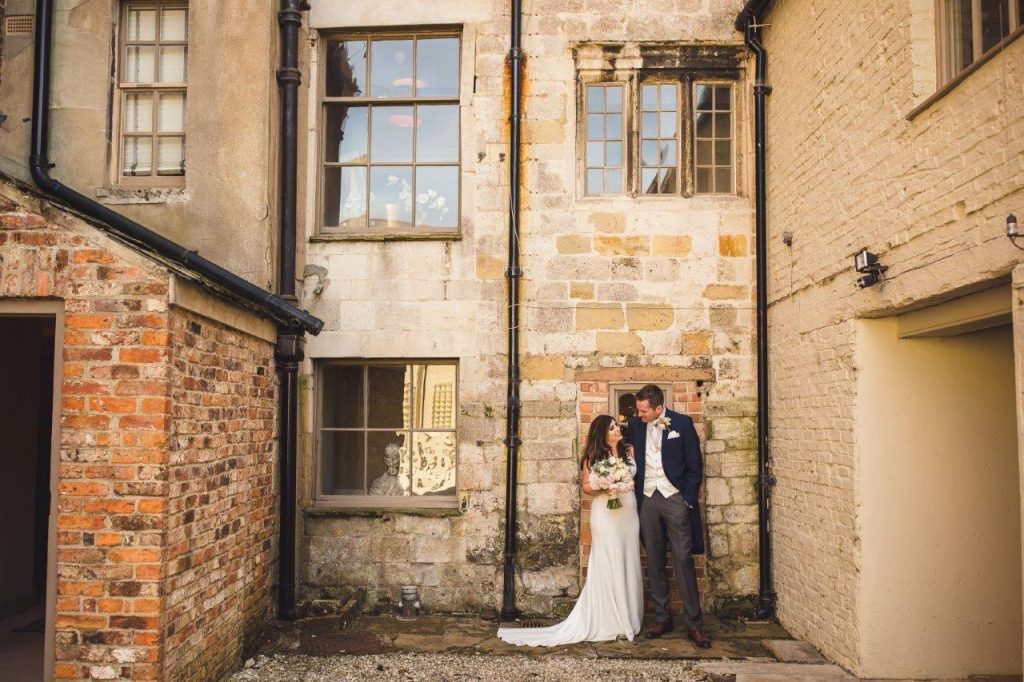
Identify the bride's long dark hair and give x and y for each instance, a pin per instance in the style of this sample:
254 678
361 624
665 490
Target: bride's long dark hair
597 441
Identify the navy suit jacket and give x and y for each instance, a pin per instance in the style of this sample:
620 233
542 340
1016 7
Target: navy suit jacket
681 460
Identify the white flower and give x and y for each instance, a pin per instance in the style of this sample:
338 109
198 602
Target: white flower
662 423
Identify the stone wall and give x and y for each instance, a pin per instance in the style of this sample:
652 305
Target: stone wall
849 168
222 502
644 286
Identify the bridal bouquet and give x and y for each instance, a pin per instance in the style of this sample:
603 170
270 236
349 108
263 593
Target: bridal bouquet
612 474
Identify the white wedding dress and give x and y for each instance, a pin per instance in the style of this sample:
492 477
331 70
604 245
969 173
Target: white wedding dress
611 604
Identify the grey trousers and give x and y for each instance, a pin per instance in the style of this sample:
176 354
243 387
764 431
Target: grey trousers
676 516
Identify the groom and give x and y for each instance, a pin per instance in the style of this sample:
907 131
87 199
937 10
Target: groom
668 475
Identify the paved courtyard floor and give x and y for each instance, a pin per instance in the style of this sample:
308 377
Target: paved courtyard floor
367 647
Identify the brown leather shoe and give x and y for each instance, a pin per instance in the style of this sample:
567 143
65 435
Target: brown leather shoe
658 630
699 638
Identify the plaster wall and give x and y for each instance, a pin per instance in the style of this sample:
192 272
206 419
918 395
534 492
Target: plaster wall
938 499
848 169
226 207
633 285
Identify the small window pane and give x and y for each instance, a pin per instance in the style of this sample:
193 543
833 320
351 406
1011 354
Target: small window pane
437 196
343 462
668 97
138 112
170 156
595 99
595 181
649 180
722 125
703 99
723 153
613 126
595 126
433 463
345 133
613 181
389 388
173 24
703 125
387 464
723 180
649 97
345 197
391 197
391 64
668 124
137 156
649 152
435 397
649 125
667 153
391 134
141 25
995 22
595 154
343 400
704 148
172 64
346 68
437 135
723 97
613 98
140 64
613 154
171 116
959 38
704 185
437 67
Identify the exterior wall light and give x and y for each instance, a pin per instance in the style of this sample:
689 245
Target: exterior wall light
1011 230
866 263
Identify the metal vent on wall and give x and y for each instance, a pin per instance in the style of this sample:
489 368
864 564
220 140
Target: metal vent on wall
18 25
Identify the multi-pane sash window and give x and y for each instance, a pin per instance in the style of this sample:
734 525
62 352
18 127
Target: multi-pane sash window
387 432
390 125
152 87
712 132
968 29
656 136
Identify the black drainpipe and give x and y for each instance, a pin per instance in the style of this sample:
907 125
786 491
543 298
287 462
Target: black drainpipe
747 22
512 275
288 353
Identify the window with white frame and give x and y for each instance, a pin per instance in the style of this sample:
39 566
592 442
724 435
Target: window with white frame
386 433
390 154
969 30
152 85
666 128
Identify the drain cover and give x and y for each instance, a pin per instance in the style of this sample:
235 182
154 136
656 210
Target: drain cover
358 643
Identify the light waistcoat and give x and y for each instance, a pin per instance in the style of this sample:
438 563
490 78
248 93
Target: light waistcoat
654 472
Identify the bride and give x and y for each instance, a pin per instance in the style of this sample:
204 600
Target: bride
611 604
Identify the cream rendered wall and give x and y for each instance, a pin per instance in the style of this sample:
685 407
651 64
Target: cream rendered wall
227 208
847 169
938 504
609 283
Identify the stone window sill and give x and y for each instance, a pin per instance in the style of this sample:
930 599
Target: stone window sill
362 237
378 512
142 195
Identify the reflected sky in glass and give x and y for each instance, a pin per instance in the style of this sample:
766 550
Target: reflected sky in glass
346 133
346 68
437 67
437 137
391 68
391 134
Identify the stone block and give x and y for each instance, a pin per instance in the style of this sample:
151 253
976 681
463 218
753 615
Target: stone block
572 243
622 246
671 246
696 343
732 245
721 292
717 491
619 342
608 222
540 367
598 316
581 290
489 267
649 317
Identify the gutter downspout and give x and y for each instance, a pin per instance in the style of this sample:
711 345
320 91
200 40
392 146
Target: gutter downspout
746 22
513 274
281 311
288 352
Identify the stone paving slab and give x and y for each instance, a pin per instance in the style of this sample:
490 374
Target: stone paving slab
755 671
793 651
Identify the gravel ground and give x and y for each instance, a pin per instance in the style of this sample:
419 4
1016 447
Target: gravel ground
440 667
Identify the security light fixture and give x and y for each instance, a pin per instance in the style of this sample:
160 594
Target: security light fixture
1011 230
866 263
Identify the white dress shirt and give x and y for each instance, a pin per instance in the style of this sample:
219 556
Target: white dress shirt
654 473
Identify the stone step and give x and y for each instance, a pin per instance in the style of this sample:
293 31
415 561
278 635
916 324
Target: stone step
754 671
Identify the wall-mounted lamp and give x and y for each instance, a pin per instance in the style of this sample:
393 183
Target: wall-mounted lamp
866 263
1011 230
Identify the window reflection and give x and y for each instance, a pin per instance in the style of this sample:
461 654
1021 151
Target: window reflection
437 196
391 139
391 64
437 67
346 68
391 197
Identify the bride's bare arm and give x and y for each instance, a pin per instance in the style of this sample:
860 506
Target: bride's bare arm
586 481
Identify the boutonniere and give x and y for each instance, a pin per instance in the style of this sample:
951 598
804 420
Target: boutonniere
662 423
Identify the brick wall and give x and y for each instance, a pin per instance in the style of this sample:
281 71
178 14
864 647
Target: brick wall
847 170
221 523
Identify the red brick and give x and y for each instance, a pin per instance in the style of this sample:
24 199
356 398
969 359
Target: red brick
142 355
83 488
136 421
134 555
156 506
82 622
92 256
109 404
88 321
87 588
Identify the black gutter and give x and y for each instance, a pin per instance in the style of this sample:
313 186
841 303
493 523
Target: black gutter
746 21
513 274
288 353
272 306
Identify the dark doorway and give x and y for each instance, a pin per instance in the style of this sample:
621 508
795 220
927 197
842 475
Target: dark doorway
26 425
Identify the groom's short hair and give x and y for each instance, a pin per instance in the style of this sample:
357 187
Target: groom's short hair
652 394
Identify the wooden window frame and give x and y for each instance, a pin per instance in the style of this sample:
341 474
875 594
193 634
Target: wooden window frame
157 89
945 74
627 105
322 500
325 233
